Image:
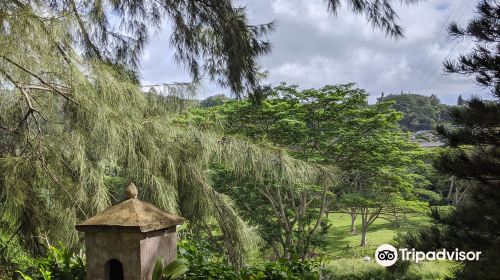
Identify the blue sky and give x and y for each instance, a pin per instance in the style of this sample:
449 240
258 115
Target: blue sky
311 48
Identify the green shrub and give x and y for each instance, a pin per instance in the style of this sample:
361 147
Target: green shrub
59 263
283 269
371 274
204 263
13 254
174 270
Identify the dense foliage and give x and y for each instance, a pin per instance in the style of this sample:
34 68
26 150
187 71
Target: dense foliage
59 263
333 125
419 112
197 260
208 264
474 154
172 271
475 140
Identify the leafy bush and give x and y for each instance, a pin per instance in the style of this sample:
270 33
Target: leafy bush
204 263
59 263
13 254
378 273
283 269
172 271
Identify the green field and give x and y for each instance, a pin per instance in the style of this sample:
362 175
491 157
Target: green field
344 254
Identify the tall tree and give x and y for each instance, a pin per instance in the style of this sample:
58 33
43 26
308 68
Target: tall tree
476 146
75 121
482 62
474 152
333 125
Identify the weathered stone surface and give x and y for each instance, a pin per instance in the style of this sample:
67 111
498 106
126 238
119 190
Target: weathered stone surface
137 252
128 238
164 245
131 191
131 215
104 246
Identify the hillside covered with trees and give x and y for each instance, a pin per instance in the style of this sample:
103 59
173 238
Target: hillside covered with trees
419 112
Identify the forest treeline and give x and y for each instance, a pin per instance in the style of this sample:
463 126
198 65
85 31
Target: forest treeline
420 112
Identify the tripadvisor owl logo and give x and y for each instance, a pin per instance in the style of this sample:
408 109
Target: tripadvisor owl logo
386 255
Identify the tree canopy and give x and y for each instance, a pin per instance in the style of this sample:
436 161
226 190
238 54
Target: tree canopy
474 153
419 112
333 125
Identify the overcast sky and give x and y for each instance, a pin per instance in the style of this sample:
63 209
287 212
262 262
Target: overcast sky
313 49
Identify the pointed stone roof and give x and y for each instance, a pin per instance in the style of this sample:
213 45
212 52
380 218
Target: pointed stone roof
131 215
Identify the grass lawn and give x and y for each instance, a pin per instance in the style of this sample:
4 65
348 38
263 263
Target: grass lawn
343 244
344 253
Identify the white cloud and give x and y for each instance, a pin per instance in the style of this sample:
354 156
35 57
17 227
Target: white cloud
319 70
311 48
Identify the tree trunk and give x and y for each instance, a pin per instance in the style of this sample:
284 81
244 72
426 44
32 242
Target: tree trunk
462 195
287 248
276 252
457 191
397 222
353 222
363 236
367 219
364 226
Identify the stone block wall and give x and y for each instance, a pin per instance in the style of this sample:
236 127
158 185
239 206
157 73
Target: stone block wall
137 252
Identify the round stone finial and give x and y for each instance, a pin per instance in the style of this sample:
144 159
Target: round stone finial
131 191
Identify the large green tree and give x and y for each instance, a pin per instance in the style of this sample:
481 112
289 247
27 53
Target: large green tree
474 153
333 125
73 124
475 140
385 183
